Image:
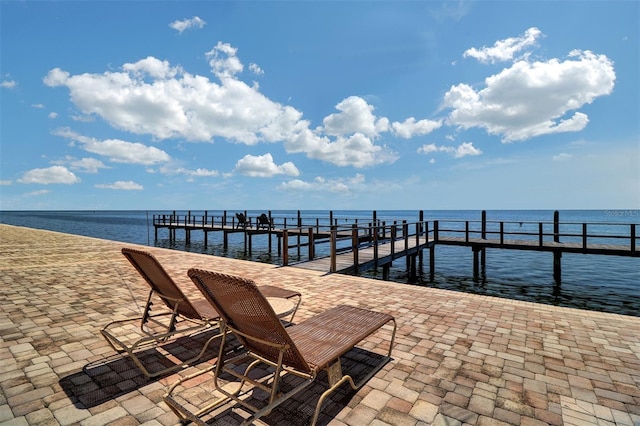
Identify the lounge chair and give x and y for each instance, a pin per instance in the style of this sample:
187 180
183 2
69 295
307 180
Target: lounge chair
243 221
302 350
181 317
263 221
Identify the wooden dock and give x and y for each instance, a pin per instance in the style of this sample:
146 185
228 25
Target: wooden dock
356 246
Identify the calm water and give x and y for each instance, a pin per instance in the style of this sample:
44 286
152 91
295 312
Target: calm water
594 282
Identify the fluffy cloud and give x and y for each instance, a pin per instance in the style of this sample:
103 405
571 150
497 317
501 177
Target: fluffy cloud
463 150
355 116
410 127
50 175
121 185
533 98
152 97
8 84
264 166
505 50
185 24
320 184
356 150
116 150
86 165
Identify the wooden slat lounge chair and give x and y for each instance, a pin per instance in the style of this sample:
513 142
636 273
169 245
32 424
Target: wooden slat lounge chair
181 317
243 221
263 221
303 350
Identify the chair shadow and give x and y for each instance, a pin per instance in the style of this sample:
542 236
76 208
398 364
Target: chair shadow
116 375
299 410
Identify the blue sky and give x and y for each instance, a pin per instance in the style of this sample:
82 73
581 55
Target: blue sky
320 105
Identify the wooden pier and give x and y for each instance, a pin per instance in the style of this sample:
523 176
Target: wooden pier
355 246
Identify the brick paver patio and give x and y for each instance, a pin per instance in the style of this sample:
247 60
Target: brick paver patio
459 358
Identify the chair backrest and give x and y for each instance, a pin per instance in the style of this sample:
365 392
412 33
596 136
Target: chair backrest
241 217
264 219
161 283
243 307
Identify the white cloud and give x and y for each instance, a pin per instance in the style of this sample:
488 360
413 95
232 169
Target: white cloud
53 115
83 118
50 175
37 193
152 97
6 182
264 166
152 67
223 61
56 77
8 84
505 50
86 165
410 127
463 150
38 106
563 156
428 149
188 172
121 185
357 150
355 116
117 150
531 99
256 69
466 148
185 24
320 184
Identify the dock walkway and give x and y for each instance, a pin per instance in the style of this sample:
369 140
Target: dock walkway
369 244
459 359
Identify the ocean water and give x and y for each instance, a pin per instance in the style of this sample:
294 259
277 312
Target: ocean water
592 282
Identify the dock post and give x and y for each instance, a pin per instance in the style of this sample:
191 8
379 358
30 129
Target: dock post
279 245
483 264
476 269
375 242
334 233
311 243
405 234
484 224
556 226
206 235
285 247
413 274
483 253
225 240
354 248
557 266
432 262
269 232
385 271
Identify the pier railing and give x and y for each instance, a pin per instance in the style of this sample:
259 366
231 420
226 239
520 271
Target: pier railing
586 236
398 237
342 243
